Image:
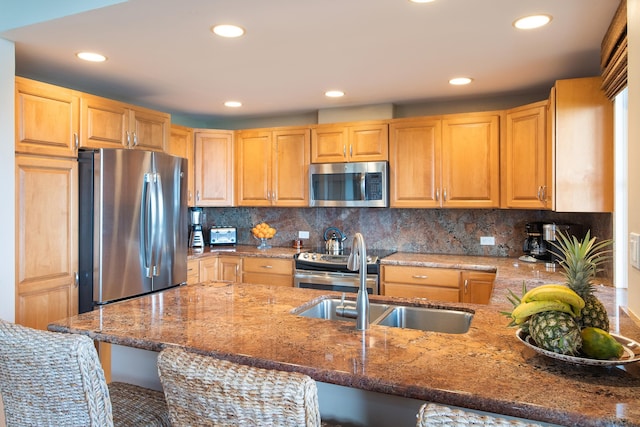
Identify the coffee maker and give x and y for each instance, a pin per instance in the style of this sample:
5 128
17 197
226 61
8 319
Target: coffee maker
542 237
534 245
196 237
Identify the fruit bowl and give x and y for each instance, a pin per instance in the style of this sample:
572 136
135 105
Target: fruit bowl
264 242
631 352
263 232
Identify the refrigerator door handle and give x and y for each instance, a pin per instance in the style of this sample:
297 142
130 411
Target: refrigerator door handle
146 223
158 225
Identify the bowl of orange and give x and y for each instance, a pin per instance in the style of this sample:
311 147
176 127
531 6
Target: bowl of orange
263 232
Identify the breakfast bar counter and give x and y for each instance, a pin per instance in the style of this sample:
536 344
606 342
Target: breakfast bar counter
485 369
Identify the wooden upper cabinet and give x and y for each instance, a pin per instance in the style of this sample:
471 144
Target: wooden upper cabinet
470 161
46 198
414 162
580 119
214 167
106 123
47 119
181 144
273 166
525 168
350 142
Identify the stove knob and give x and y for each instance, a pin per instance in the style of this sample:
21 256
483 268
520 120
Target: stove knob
368 258
314 256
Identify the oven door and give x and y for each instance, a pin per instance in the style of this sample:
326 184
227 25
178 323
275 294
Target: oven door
332 281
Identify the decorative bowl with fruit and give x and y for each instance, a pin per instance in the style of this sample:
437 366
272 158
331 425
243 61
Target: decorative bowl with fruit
263 232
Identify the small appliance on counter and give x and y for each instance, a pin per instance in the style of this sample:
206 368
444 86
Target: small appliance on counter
541 237
223 235
196 236
334 240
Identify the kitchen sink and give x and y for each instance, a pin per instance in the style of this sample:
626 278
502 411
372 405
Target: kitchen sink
428 319
326 309
434 319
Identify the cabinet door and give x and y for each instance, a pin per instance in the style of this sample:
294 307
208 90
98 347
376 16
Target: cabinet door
477 287
470 161
368 142
193 271
329 144
290 176
46 119
46 240
208 269
149 130
414 163
181 145
229 268
254 168
525 152
583 123
104 123
214 172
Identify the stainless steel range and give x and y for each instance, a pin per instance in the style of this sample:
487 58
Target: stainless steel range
329 272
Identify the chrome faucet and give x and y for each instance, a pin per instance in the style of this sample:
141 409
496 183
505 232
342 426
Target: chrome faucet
358 261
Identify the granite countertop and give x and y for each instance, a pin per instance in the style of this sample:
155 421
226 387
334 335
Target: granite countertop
486 368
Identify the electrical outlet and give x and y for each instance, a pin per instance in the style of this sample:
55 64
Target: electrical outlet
303 234
487 240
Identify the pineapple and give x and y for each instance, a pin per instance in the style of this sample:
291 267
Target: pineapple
556 331
580 261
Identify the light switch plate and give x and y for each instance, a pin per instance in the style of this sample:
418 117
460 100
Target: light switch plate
303 234
634 250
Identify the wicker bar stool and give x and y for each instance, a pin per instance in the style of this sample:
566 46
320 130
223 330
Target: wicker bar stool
54 379
432 414
205 391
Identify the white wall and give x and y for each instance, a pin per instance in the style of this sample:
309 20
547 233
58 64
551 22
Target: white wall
7 187
633 20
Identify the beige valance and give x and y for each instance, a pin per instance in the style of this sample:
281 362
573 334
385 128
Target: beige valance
613 57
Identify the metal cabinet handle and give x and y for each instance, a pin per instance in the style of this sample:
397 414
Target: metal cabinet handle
135 139
466 286
350 150
267 266
544 193
76 140
417 276
344 151
444 195
437 194
198 195
76 279
128 139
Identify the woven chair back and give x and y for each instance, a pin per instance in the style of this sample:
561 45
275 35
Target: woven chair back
205 391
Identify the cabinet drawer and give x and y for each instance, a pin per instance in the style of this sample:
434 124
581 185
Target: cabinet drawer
443 277
436 293
267 265
268 279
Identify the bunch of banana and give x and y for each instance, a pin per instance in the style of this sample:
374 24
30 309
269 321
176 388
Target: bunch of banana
547 298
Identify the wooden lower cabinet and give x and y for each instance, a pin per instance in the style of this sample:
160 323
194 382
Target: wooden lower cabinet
267 271
476 287
439 284
193 271
208 269
229 268
46 192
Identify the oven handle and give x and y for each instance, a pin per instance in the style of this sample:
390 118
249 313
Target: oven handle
329 278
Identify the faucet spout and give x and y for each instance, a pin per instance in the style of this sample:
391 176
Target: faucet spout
358 262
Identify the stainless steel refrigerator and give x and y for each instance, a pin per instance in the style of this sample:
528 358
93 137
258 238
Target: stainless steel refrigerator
133 224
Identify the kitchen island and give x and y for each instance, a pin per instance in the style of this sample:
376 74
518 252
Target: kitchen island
485 369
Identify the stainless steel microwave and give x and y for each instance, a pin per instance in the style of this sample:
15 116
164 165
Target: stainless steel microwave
358 184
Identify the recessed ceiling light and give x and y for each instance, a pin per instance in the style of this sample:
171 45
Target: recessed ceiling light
421 1
459 81
228 30
531 22
91 56
334 93
233 104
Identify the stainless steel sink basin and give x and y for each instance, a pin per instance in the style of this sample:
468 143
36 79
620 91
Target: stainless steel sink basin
434 319
428 319
326 309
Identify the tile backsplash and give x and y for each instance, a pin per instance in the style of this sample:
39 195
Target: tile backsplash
448 231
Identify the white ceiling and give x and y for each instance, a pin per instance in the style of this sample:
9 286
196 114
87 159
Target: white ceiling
162 53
